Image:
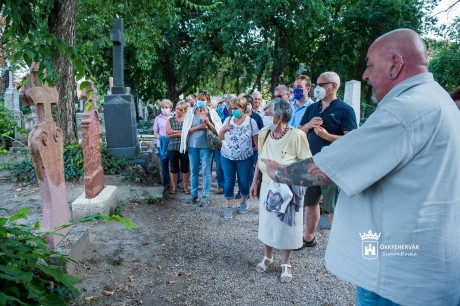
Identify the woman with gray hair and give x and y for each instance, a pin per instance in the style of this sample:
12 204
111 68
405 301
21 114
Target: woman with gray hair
285 144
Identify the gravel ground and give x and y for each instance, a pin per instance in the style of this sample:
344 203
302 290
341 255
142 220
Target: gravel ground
182 254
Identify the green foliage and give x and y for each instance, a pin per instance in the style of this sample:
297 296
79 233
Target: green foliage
24 171
444 57
8 126
73 162
145 127
30 273
27 274
112 164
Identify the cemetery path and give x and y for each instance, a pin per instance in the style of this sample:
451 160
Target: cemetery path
181 254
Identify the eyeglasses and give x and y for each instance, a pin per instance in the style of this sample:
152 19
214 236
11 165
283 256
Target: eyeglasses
323 84
204 92
234 108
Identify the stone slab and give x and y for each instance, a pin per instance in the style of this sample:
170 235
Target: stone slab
104 202
74 245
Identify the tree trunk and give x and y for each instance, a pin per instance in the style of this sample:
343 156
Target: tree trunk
62 23
280 56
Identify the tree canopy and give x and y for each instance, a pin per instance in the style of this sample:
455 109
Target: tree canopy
176 47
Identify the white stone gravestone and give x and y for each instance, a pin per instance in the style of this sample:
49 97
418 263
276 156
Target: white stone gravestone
353 97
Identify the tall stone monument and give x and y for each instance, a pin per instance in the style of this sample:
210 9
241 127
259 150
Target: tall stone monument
46 149
353 97
97 197
119 106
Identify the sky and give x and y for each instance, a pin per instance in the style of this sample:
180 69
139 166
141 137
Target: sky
447 17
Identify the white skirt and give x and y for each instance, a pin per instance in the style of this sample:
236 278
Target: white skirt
273 232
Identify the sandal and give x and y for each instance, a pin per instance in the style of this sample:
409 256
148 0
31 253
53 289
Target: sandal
187 191
285 273
262 264
172 191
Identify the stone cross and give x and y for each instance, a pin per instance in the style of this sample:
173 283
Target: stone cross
353 97
46 149
118 39
91 143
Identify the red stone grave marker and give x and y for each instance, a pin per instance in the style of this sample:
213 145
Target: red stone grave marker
91 143
46 149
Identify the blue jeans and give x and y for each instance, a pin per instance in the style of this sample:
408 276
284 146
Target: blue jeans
239 167
196 155
368 298
219 170
164 168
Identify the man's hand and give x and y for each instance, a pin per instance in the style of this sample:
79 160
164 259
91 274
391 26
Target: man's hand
271 167
314 123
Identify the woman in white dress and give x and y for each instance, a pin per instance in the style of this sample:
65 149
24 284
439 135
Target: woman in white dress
284 144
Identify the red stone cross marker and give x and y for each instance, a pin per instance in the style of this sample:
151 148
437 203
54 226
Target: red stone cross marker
46 149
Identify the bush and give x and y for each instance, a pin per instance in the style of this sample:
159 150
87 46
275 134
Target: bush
24 171
145 127
27 274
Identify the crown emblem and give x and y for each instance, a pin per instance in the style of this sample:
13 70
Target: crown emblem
369 235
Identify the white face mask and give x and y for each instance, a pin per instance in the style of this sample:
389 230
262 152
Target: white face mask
319 92
274 125
165 111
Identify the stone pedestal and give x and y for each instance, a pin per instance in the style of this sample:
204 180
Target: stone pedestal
104 202
353 97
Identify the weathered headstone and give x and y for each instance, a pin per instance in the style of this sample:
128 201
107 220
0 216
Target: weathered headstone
11 98
119 106
353 97
97 197
91 143
46 149
140 108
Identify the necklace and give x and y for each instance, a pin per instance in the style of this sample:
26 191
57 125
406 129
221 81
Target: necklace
286 129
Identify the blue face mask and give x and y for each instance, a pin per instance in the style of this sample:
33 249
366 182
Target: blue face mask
298 93
236 113
200 104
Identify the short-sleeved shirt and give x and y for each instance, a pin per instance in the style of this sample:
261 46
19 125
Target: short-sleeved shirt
174 143
258 119
298 112
237 144
397 223
159 125
198 139
337 118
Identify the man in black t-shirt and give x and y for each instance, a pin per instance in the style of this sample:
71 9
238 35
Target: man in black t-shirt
324 122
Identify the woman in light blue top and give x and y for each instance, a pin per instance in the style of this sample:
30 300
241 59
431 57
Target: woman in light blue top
194 139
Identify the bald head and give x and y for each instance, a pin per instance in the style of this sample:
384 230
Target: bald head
393 58
405 44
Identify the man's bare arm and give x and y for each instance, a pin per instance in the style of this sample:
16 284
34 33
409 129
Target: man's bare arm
302 173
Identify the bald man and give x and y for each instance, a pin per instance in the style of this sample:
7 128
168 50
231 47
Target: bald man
396 232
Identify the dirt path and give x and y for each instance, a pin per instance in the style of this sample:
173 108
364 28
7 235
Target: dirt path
185 255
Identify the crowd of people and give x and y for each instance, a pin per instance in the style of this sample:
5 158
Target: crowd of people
397 175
